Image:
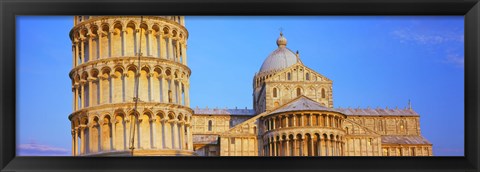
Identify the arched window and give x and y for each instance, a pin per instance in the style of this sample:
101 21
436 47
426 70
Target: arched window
323 93
288 76
276 104
299 92
209 125
275 92
307 76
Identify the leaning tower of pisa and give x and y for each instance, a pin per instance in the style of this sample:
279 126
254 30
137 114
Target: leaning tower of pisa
105 53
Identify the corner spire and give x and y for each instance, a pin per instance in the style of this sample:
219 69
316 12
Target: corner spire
409 105
297 54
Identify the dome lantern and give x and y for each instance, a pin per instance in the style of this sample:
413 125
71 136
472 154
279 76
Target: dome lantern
281 41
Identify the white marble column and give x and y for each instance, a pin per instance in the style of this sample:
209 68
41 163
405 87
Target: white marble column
175 135
170 48
82 48
187 95
163 134
109 42
149 42
100 90
114 133
82 140
165 89
73 142
153 128
82 97
137 42
150 87
189 138
75 62
90 37
124 46
177 51
184 53
311 145
74 97
179 93
163 49
182 136
294 120
100 48
89 92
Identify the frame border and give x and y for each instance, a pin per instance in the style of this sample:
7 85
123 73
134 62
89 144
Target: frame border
10 8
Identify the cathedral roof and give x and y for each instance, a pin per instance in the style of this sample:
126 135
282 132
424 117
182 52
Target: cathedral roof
303 103
404 139
279 59
377 112
215 111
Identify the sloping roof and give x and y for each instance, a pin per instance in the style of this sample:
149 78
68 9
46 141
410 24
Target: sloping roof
303 104
205 139
377 112
248 112
404 139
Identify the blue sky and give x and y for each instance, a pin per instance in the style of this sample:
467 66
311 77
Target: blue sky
373 61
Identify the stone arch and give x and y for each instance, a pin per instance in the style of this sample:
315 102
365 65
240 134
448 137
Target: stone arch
299 91
94 72
275 92
84 75
174 33
120 130
160 115
145 129
118 24
119 68
132 24
106 132
77 78
180 117
171 115
166 30
158 70
131 67
105 27
210 125
155 27
105 70
168 72
83 32
323 93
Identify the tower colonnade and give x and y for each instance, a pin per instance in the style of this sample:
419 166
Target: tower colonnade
106 37
156 130
106 74
109 82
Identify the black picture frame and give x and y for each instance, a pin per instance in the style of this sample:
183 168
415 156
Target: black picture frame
9 9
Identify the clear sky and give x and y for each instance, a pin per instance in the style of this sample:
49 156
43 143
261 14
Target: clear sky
373 61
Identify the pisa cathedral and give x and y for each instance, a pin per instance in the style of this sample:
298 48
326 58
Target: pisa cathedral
292 115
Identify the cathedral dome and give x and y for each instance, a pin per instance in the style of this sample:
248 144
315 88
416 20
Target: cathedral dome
279 59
